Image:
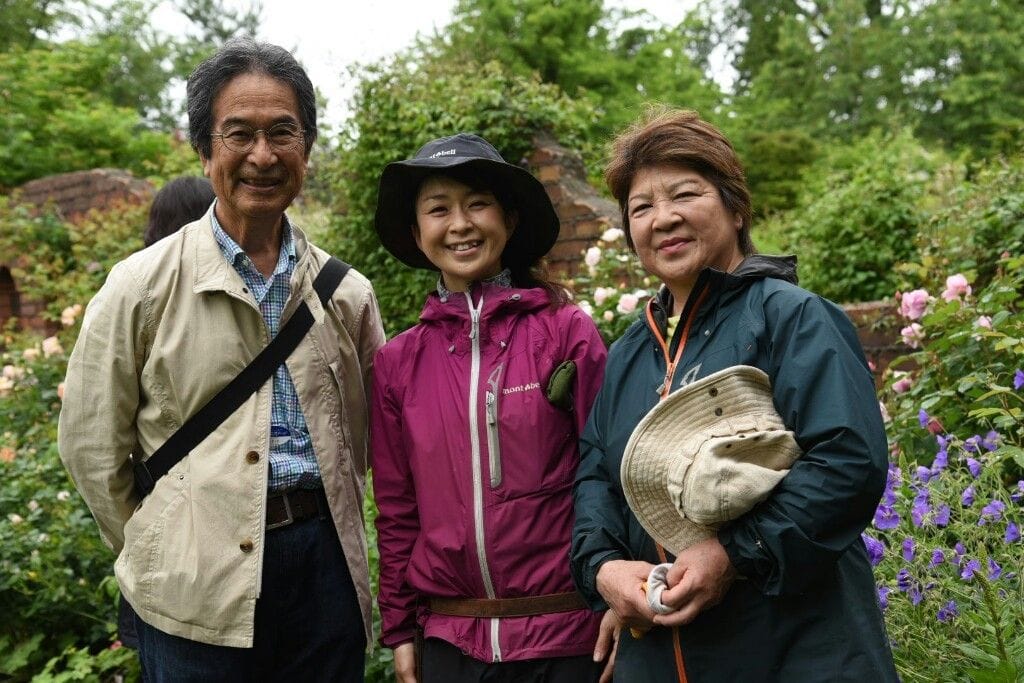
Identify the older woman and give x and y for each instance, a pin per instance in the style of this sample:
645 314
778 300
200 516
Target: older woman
785 591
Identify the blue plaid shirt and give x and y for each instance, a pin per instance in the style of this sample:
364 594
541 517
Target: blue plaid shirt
292 461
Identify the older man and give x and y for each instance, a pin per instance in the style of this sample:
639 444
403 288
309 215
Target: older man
247 559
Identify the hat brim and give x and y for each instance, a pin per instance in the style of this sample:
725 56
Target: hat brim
675 430
536 230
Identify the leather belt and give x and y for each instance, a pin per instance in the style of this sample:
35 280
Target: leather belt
288 507
508 607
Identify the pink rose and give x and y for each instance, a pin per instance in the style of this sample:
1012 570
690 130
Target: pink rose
902 385
984 321
956 286
627 303
601 294
592 257
608 316
912 304
912 335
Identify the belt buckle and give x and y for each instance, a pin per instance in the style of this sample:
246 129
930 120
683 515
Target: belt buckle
288 514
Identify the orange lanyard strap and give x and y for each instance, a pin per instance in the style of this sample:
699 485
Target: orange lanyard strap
670 364
670 369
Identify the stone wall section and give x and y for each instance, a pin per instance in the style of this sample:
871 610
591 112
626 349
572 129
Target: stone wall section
73 195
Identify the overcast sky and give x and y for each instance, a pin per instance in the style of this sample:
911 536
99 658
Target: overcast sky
328 37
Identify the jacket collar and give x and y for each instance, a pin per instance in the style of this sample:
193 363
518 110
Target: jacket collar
214 273
717 282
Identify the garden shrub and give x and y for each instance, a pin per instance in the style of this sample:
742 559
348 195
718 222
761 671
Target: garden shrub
858 215
976 219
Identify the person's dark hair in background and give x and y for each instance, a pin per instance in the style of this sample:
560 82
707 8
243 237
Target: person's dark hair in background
177 204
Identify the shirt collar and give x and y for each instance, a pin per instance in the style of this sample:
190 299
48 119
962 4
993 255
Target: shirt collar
235 254
502 279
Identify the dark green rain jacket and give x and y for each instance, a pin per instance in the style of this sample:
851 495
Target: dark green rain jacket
805 608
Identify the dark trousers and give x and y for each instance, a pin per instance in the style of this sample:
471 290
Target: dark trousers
445 663
308 623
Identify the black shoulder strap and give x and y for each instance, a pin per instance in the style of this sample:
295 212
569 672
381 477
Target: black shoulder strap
238 391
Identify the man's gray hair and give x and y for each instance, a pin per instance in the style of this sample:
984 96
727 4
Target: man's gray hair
239 56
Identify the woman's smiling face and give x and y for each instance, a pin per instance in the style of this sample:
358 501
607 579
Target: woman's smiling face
679 226
461 230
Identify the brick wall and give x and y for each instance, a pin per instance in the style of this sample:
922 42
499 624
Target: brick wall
72 194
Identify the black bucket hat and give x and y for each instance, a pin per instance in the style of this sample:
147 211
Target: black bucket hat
536 230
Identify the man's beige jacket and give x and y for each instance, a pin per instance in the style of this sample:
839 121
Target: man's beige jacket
171 326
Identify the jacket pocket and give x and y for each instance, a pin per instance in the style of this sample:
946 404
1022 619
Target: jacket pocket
140 560
493 442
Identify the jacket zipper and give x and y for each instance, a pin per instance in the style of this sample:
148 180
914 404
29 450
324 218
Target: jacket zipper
478 485
493 445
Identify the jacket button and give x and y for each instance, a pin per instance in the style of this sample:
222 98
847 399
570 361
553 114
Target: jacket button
718 411
252 457
245 546
713 391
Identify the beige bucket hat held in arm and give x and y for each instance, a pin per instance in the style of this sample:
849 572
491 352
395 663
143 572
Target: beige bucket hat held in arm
705 455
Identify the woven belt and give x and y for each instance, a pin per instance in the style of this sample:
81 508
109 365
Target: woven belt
299 505
508 607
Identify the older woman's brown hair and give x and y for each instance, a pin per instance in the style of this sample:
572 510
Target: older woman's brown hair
680 137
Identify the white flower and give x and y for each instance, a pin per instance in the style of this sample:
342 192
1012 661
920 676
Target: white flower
63 495
612 235
33 505
30 354
43 538
601 294
52 347
592 258
6 384
15 518
608 316
68 316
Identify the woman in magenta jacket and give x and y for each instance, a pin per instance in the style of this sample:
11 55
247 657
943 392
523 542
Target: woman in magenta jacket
477 412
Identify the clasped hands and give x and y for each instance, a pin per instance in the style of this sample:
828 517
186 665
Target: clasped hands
699 578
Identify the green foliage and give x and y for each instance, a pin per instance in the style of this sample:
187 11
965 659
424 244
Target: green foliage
55 586
616 60
58 119
399 106
65 263
977 218
858 215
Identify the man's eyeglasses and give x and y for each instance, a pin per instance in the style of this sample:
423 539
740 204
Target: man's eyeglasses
241 138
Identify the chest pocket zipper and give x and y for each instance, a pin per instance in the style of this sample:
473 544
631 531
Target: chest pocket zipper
493 444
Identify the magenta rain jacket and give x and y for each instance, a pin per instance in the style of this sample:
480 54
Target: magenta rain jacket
473 469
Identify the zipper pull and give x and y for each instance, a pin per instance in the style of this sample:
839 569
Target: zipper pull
492 414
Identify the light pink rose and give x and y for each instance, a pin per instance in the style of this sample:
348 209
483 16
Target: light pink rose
608 316
627 303
956 286
52 347
912 304
984 321
912 335
901 385
592 257
601 294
